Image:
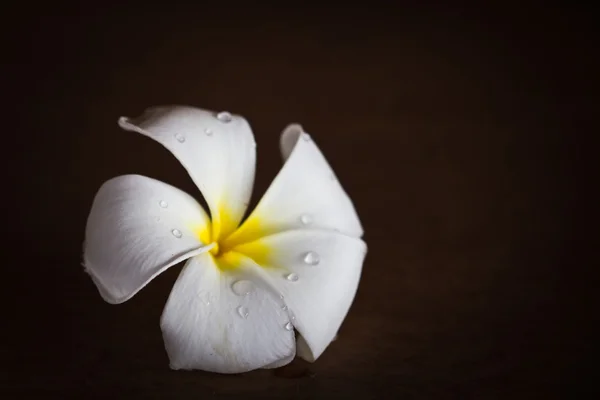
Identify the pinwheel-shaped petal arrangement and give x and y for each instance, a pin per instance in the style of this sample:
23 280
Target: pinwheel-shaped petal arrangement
249 296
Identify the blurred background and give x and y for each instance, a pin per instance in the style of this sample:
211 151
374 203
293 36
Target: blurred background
459 135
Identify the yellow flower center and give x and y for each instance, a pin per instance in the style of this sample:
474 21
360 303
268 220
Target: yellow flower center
230 244
215 250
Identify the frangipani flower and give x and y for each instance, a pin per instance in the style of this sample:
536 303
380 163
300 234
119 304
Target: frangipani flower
294 264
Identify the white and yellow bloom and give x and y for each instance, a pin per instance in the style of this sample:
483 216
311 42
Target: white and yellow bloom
294 264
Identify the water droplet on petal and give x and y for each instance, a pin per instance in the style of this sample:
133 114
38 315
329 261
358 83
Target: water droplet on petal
293 277
205 297
306 137
208 131
177 233
284 307
306 219
180 138
224 116
163 204
242 288
311 258
242 311
289 326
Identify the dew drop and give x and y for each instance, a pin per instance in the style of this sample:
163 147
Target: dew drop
306 137
224 116
242 311
293 277
208 131
163 204
242 288
177 233
180 138
205 297
306 219
311 258
284 308
289 326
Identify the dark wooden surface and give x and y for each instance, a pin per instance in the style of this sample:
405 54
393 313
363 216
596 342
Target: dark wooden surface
456 134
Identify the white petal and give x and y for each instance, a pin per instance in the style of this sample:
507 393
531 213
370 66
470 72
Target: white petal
137 228
207 325
305 194
317 272
218 153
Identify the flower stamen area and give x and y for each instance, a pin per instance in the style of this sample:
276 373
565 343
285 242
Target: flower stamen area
243 241
215 250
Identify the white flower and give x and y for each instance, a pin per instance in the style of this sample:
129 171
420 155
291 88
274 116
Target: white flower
294 263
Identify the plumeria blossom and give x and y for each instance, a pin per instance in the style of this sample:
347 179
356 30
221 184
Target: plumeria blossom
249 296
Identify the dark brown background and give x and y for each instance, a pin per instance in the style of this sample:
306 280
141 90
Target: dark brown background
457 134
